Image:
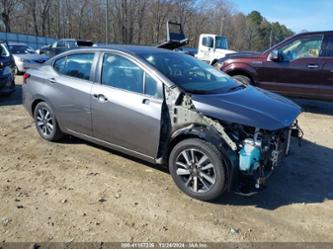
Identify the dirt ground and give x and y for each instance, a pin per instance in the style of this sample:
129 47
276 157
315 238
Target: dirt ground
75 191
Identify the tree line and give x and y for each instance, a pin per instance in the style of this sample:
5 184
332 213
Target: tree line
139 21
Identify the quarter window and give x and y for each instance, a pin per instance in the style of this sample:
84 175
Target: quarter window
77 65
304 47
121 73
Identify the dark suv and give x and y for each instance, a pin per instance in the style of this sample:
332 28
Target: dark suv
7 67
300 66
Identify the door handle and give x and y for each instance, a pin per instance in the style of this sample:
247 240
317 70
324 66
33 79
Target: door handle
313 66
146 101
52 80
100 97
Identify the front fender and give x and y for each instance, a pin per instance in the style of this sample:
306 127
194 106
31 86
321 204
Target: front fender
209 134
241 68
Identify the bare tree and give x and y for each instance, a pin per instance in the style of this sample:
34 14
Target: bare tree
7 10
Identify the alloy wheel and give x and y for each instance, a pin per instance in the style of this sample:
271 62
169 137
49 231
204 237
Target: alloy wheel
45 121
196 170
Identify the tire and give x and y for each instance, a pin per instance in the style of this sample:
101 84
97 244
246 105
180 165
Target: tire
243 79
46 123
201 180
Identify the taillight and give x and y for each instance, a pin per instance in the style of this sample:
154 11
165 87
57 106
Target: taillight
25 77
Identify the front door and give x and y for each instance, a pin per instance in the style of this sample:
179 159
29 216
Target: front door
299 69
327 55
126 106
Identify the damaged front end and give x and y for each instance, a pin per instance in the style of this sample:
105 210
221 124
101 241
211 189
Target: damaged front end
250 153
260 151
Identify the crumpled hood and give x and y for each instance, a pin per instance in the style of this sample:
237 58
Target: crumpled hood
249 106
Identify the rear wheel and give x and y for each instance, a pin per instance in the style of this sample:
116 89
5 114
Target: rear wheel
243 79
46 123
197 169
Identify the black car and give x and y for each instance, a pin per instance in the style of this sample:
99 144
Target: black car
63 45
7 67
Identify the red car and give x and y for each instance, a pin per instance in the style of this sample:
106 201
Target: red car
300 66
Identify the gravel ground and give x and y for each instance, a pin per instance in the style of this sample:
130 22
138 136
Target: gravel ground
76 191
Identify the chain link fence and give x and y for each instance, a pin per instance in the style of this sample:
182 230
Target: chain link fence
31 40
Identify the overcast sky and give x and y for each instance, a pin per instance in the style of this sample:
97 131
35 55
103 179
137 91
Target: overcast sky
298 15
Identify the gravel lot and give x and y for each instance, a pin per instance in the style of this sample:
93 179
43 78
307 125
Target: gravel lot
78 191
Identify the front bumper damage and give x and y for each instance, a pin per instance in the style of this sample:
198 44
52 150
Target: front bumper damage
251 153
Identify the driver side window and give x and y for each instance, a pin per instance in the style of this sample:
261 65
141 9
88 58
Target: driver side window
305 47
208 42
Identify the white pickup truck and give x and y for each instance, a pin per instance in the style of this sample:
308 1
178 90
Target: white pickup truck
212 47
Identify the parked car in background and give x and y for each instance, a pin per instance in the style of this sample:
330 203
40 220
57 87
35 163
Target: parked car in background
25 57
63 45
300 66
7 66
167 108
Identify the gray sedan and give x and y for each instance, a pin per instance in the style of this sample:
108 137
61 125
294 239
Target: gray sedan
214 133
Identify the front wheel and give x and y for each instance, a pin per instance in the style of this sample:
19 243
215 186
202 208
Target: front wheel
46 123
197 168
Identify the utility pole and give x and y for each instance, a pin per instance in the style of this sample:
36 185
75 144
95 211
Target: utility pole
107 22
271 38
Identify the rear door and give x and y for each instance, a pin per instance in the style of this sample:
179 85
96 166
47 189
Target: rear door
299 70
327 55
72 84
126 106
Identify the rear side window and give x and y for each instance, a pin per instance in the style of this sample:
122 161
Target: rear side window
121 73
77 65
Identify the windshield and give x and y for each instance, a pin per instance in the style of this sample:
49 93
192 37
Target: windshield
3 50
189 73
221 42
21 49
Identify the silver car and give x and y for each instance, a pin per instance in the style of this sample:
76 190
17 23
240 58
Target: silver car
25 57
214 133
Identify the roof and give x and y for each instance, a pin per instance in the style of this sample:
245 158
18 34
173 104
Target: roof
132 49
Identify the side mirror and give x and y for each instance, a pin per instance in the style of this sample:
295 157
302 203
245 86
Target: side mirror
274 55
2 65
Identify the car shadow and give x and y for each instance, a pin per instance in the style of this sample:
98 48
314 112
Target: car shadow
13 99
74 140
304 177
315 106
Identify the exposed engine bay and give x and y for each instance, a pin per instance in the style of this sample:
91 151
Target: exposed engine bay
253 152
